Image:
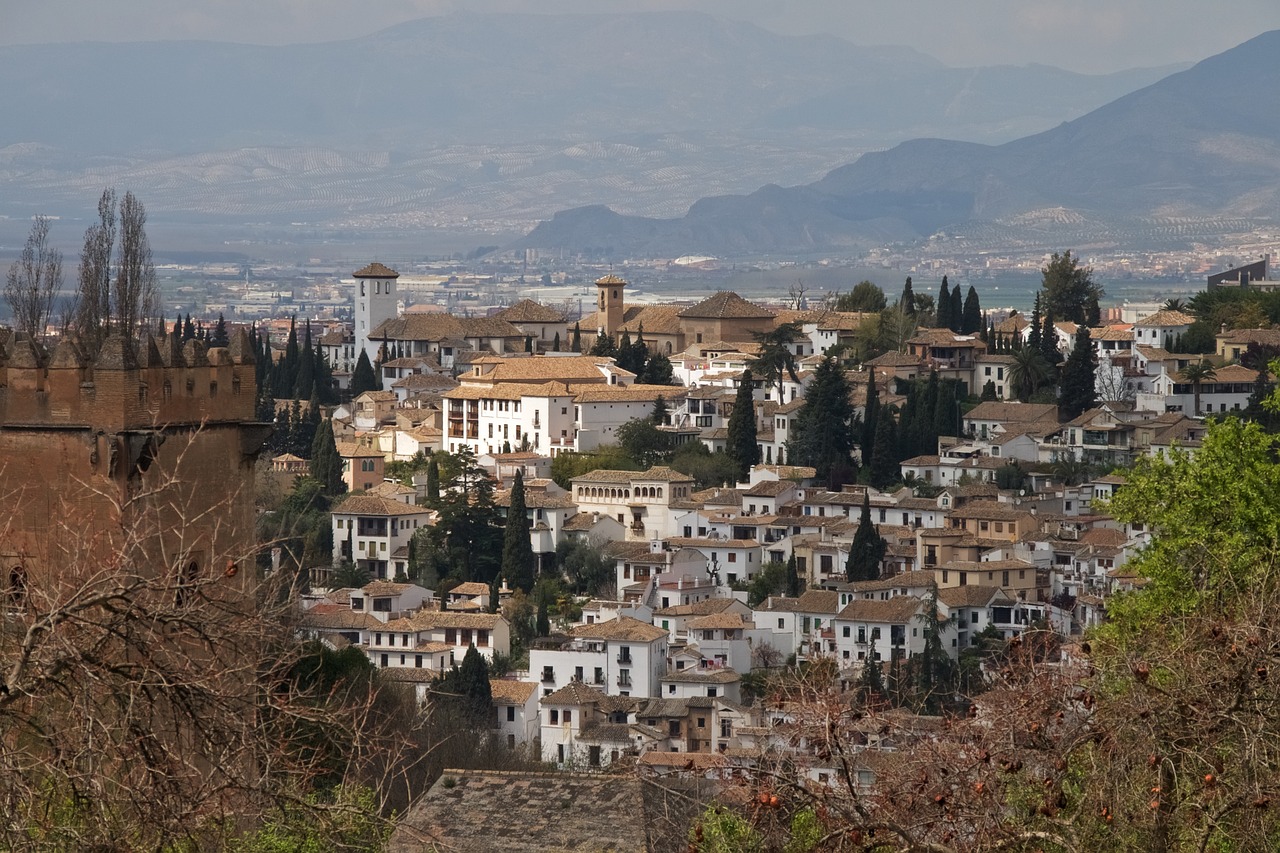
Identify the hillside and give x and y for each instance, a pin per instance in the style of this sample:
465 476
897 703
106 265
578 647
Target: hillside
1201 143
501 118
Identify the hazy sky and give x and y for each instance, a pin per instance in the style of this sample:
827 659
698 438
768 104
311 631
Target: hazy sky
1082 35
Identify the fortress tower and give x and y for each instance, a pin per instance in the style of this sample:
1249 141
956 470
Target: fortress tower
146 450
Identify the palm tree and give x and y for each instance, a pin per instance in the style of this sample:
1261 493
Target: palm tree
1175 305
1072 471
1201 371
1028 372
776 358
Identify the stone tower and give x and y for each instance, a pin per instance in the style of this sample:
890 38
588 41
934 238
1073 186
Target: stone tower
610 307
375 303
146 450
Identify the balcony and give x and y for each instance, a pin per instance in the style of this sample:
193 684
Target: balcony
624 659
548 676
624 681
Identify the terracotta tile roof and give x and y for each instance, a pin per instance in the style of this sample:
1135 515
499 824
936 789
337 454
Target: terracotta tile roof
897 610
479 811
705 607
573 693
724 675
972 596
1166 318
719 621
701 761
418 382
810 601
1251 336
626 393
379 588
769 488
1019 413
544 368
428 619
528 311
656 320
726 304
611 279
988 510
368 504
470 588
658 473
622 628
339 620
946 338
511 692
355 450
376 270
906 580
790 472
718 496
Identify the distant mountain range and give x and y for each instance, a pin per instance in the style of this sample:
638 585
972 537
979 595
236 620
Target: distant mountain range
1202 144
501 118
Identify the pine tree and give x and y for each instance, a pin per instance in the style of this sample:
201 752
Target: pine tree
660 412
1079 391
363 378
219 337
822 436
326 464
972 320
956 313
944 306
576 345
868 548
658 371
517 551
605 347
908 299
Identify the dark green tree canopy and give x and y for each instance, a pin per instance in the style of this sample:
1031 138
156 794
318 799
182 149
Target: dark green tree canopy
865 297
823 435
1070 293
741 443
1079 376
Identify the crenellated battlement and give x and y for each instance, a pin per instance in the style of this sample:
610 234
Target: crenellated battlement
157 382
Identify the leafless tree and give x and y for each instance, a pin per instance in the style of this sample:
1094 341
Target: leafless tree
93 298
34 280
149 695
117 279
795 295
135 285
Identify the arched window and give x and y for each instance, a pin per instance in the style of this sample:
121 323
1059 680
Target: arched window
188 576
17 590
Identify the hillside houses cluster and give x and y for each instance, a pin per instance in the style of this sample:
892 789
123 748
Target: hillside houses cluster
655 664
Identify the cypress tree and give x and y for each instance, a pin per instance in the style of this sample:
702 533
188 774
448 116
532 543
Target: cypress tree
542 623
944 306
604 346
363 378
323 377
1033 333
517 551
871 682
576 344
306 368
908 299
433 482
870 412
972 321
289 365
555 343
528 343
625 352
945 413
188 330
795 586
1078 374
1049 343
956 314
326 464
885 467
868 548
741 443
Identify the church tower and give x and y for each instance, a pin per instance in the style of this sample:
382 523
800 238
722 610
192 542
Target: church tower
375 303
610 310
